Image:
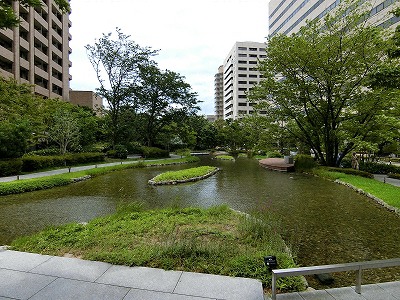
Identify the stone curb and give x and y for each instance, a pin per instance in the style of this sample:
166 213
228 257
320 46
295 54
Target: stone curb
377 200
172 182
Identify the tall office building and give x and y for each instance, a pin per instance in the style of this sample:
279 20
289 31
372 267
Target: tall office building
37 52
288 16
239 76
219 93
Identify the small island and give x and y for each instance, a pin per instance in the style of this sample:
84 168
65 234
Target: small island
182 176
224 157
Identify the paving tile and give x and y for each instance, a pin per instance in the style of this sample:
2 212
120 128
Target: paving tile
21 261
72 268
136 294
220 287
375 292
346 293
141 278
21 285
68 289
391 287
288 296
316 295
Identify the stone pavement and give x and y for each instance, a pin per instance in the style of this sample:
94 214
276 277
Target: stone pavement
41 277
381 291
386 179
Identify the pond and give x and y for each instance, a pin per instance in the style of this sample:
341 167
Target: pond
325 223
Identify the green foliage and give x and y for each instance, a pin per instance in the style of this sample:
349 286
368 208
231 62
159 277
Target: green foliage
29 185
394 175
35 162
272 154
183 152
9 19
224 157
10 167
117 63
13 138
154 152
304 162
184 175
316 84
119 151
351 172
215 240
377 168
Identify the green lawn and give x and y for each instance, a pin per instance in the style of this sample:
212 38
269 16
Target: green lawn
215 240
225 157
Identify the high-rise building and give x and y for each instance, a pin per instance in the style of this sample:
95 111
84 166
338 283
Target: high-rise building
288 16
219 93
240 74
37 51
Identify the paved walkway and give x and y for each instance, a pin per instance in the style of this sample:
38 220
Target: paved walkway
41 277
74 169
386 179
381 291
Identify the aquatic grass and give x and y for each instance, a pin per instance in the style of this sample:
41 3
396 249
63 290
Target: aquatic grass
386 192
41 183
216 240
184 175
225 157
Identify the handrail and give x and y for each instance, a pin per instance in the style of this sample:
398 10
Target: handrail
355 266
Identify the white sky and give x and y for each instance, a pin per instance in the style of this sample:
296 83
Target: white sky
194 36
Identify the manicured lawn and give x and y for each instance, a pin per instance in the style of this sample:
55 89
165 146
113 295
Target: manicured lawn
184 175
215 240
386 192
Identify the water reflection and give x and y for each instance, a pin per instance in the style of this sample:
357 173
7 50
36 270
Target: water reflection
326 222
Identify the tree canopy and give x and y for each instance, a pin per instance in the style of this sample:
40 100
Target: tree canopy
9 19
317 84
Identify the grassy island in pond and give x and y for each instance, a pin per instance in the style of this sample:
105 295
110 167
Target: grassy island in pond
217 240
225 157
181 176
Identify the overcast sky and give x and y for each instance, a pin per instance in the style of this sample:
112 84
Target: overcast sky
194 36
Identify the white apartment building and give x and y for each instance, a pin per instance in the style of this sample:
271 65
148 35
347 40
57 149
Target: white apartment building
288 16
37 51
239 76
219 93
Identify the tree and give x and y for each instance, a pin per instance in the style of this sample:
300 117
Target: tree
317 84
162 97
9 19
116 63
64 130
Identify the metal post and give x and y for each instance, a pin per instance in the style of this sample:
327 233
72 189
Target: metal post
17 177
273 286
69 169
359 279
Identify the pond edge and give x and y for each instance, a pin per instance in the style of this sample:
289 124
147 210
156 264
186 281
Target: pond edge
173 182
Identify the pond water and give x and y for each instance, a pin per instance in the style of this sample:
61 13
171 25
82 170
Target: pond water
325 223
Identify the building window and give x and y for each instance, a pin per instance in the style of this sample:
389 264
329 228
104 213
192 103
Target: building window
252 49
242 48
242 75
242 55
242 82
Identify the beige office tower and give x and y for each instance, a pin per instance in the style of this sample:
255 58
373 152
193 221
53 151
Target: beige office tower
288 16
219 93
37 52
240 75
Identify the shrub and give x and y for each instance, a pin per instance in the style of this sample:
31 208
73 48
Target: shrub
154 152
34 162
274 154
119 152
183 152
351 172
377 168
304 162
10 167
45 152
394 175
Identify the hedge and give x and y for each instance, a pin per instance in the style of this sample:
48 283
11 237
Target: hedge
304 162
34 162
154 152
10 167
351 172
394 175
377 168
